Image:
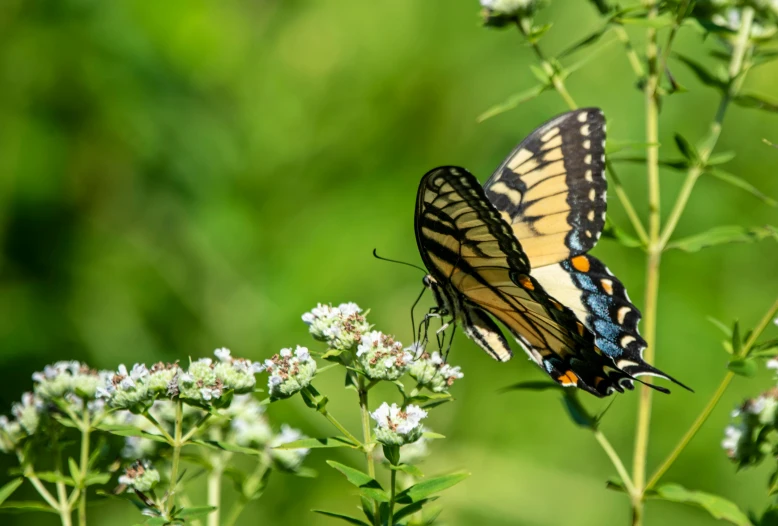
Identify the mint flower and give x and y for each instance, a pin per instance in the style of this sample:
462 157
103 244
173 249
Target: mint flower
134 390
140 476
58 380
341 327
11 433
287 459
381 357
28 412
247 422
731 442
289 373
396 426
499 13
432 372
236 374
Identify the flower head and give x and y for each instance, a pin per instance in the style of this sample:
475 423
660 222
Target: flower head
499 13
396 426
341 327
381 357
290 371
432 372
140 476
287 459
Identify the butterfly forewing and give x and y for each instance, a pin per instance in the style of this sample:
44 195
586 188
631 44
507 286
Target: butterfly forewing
553 189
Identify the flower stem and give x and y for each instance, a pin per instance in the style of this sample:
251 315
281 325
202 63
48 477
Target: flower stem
366 433
148 416
250 487
617 463
177 444
29 474
86 430
195 428
215 488
65 509
340 427
393 486
653 260
706 412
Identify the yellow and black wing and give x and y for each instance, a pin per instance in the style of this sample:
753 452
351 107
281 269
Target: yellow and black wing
470 249
552 187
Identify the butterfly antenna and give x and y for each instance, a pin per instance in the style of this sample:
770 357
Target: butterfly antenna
375 255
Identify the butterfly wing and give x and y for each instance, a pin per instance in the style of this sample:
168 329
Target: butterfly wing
468 246
553 189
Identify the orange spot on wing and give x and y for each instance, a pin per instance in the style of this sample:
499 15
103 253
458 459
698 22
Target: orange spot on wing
581 263
526 282
569 378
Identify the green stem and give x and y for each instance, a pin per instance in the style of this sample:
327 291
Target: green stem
250 487
393 485
559 84
86 429
706 412
29 474
148 416
366 432
64 507
218 461
340 427
632 55
177 444
737 70
195 428
617 463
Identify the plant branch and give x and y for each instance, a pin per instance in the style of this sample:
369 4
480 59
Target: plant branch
177 444
617 463
83 465
706 412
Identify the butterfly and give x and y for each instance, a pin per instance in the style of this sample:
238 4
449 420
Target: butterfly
516 251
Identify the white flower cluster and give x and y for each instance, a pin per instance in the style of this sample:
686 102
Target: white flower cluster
140 476
747 440
203 383
432 372
381 357
341 327
248 424
396 426
287 459
728 14
289 372
499 13
27 418
68 379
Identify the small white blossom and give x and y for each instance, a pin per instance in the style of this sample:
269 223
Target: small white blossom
287 459
732 436
341 327
396 426
432 372
381 357
290 372
223 354
140 477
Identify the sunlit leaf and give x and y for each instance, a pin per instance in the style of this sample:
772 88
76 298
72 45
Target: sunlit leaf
720 158
366 484
723 235
426 488
513 102
718 507
195 512
721 325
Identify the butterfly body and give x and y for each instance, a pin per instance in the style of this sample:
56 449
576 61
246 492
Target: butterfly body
515 250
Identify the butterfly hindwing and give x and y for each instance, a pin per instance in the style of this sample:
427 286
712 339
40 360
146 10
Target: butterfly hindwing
473 255
553 189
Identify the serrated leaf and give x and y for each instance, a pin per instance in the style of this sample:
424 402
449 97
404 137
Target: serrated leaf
723 235
426 488
718 507
687 149
195 512
8 489
702 74
513 102
741 183
25 505
347 518
743 367
752 100
313 443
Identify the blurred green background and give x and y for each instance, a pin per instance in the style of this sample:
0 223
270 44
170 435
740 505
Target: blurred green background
178 176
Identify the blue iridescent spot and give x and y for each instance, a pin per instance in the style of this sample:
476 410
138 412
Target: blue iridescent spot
574 240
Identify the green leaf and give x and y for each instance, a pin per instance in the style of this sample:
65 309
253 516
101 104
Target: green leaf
93 479
659 22
718 507
350 520
679 164
737 342
513 102
537 32
722 235
410 509
366 484
225 446
752 100
720 158
534 385
313 398
721 325
51 476
584 43
129 431
195 512
8 489
332 354
741 183
577 411
409 469
613 231
540 74
392 454
769 345
702 74
25 505
432 435
75 471
687 149
313 443
743 367
426 488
